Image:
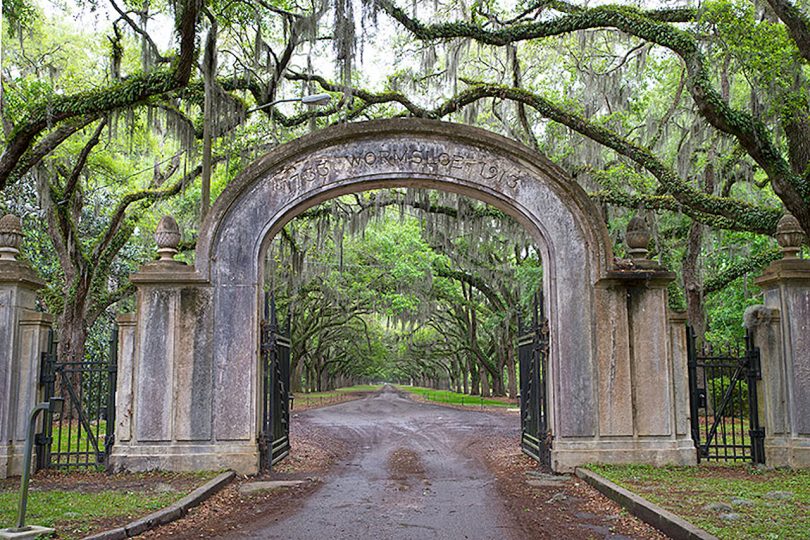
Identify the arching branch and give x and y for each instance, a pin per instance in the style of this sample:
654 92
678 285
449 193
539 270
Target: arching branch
751 134
796 22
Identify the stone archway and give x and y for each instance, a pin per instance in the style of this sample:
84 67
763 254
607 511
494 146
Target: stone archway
187 382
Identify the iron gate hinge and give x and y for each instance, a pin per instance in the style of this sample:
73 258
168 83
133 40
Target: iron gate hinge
754 364
40 439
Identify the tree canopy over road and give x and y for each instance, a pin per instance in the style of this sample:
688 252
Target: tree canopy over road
696 116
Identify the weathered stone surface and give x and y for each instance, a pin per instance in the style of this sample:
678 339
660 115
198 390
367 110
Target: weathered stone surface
153 398
23 334
780 495
651 382
797 300
125 377
782 331
680 379
31 532
119 533
193 370
615 389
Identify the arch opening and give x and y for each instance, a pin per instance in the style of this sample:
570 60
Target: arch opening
374 288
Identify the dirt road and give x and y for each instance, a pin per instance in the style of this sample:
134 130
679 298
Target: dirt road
419 471
408 478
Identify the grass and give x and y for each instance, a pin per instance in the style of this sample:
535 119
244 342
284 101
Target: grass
74 438
455 398
332 396
686 490
74 514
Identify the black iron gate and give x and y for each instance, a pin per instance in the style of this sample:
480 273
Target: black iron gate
533 346
274 437
723 401
83 432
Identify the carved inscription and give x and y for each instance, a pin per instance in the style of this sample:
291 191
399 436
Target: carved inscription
433 161
397 158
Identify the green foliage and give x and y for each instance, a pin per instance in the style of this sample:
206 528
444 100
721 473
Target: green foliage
453 398
637 104
19 15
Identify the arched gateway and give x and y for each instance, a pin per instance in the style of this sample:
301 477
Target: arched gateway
188 374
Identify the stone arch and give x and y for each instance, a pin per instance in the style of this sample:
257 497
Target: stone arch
212 308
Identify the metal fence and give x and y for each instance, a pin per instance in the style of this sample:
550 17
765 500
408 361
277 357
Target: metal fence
723 401
82 434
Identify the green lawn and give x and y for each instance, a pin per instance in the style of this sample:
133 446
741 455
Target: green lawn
454 398
307 398
687 490
360 388
73 513
75 439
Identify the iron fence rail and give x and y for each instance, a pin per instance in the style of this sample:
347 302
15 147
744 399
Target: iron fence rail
724 402
82 434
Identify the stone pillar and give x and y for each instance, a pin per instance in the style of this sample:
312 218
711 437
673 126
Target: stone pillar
641 352
164 401
23 335
125 377
781 330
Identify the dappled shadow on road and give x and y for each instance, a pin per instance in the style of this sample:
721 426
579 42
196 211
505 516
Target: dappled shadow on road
388 467
546 505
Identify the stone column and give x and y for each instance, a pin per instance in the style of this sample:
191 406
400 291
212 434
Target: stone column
782 332
164 416
23 335
641 351
125 377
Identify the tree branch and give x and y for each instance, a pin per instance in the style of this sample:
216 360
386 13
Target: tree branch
81 159
141 32
746 265
752 134
797 24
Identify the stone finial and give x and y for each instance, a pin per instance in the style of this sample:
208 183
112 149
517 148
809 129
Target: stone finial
637 238
10 237
167 236
789 235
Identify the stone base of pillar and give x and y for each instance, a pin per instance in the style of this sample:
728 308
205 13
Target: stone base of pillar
4 458
11 462
787 452
240 457
567 455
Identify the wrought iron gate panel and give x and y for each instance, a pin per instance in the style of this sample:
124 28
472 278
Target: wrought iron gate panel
274 436
82 434
533 345
724 403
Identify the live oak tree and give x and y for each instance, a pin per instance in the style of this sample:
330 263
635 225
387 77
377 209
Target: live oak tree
641 106
404 284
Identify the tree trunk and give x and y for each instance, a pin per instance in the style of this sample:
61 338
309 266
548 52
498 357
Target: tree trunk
511 375
474 381
692 282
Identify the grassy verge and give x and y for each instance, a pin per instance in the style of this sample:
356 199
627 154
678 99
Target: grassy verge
308 400
75 512
766 504
455 398
70 436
